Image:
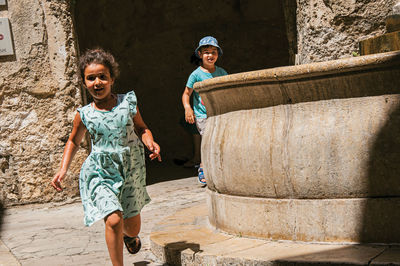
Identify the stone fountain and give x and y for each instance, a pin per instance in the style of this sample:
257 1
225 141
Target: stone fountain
306 153
302 162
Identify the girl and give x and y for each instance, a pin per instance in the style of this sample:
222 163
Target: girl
206 54
112 178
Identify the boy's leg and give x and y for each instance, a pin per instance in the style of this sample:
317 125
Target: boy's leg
114 225
201 126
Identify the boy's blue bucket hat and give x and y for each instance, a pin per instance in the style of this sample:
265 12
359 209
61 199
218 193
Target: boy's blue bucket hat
208 40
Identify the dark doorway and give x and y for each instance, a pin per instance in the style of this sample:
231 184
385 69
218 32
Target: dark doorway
153 42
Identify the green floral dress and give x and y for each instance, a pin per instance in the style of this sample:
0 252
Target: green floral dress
113 177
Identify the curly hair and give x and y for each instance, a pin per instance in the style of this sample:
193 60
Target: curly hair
98 56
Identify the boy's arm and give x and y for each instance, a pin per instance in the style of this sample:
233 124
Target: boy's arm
189 114
146 136
71 147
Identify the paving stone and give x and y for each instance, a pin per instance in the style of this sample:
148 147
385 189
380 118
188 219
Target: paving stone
54 234
391 256
6 257
180 233
311 253
185 239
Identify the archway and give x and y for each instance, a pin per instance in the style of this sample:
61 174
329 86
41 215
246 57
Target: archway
153 42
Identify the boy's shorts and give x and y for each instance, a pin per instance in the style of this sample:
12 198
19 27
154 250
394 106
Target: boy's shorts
201 125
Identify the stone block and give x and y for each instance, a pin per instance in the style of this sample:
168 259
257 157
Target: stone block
393 23
381 44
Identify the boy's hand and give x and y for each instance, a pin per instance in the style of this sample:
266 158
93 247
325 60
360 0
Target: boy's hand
56 182
189 115
154 148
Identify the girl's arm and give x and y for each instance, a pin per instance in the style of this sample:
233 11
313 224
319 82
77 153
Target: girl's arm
71 147
189 115
146 136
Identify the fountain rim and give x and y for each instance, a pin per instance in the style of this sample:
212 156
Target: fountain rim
287 73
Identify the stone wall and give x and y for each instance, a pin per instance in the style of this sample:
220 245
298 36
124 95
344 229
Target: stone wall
332 29
39 94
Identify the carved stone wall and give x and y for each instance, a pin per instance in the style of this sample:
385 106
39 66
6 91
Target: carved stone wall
39 94
332 29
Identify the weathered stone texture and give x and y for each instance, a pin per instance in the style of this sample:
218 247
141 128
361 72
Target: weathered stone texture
323 137
39 94
331 29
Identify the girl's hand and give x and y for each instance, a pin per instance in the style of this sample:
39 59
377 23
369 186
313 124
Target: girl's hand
189 115
154 148
58 178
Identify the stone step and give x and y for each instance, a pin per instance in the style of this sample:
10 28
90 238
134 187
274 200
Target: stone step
186 238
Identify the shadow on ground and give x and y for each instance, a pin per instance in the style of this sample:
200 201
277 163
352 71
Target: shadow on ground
166 171
173 251
339 256
141 263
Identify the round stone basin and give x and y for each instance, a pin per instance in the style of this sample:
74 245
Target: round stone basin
306 153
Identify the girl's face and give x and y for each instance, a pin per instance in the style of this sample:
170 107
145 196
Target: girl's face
208 55
98 81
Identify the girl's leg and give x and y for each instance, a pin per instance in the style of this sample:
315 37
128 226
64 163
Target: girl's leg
132 226
131 232
114 225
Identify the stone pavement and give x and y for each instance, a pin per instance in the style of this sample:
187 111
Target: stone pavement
175 230
186 238
54 234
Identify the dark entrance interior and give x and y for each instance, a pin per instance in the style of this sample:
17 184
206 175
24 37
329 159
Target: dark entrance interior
153 42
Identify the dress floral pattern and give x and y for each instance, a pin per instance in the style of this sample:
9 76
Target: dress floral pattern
113 177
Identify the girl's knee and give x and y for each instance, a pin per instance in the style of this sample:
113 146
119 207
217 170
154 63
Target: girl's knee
114 219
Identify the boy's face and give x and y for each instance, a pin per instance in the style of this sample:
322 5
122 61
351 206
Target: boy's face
208 55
